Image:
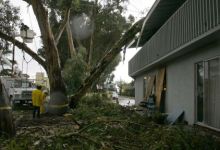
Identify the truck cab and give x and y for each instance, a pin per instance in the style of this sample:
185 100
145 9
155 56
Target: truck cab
21 91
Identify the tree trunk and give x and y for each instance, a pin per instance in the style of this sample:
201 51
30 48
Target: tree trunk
62 26
90 50
70 40
58 97
105 61
52 55
7 126
52 63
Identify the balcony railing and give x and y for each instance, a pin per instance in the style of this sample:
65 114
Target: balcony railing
192 20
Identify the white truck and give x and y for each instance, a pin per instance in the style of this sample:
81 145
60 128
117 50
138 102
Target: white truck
17 90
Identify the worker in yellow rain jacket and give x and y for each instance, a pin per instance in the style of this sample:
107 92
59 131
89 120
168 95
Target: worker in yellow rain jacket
37 98
44 102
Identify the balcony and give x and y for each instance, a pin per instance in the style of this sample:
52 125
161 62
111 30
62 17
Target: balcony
193 22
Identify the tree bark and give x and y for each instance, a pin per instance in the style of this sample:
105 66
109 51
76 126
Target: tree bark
70 40
52 55
90 52
7 127
105 61
62 26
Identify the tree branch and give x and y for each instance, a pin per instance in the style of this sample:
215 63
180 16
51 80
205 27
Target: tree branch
90 51
70 40
105 61
62 26
24 47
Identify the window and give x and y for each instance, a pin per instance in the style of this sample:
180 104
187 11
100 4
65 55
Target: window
22 84
17 83
208 92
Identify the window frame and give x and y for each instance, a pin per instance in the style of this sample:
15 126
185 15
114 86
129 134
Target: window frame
196 90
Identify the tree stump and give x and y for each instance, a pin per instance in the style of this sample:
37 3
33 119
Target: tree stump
58 103
7 127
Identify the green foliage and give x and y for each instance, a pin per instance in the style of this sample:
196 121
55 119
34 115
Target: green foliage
9 18
104 125
128 92
74 73
61 5
107 72
121 128
94 100
109 24
81 52
94 105
126 89
9 21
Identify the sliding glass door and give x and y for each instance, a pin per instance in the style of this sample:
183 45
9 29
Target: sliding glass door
208 92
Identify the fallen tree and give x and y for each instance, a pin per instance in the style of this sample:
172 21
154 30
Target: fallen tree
96 123
105 61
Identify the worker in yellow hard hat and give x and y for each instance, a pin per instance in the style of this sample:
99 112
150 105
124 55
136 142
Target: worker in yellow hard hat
37 98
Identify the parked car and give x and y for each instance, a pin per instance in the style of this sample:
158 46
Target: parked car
114 95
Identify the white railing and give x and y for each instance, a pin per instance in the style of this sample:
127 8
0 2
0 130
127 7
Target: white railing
192 20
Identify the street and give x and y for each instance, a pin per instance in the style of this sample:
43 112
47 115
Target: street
126 101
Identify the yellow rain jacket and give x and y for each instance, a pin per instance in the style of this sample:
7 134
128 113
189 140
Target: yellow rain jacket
37 97
42 107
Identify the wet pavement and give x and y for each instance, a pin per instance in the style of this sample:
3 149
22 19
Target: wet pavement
125 101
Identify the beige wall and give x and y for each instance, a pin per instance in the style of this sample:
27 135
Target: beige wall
139 89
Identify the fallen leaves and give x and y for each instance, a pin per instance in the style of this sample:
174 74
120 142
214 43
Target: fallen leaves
98 124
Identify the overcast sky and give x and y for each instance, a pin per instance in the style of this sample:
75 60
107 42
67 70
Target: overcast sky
138 8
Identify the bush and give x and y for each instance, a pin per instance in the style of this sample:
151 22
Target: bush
122 128
94 100
75 71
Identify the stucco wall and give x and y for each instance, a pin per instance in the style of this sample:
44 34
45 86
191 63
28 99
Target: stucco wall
181 80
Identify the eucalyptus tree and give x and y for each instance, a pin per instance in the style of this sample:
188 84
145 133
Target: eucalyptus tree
51 39
95 27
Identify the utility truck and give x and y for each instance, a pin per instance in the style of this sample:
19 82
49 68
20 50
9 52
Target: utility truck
17 90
